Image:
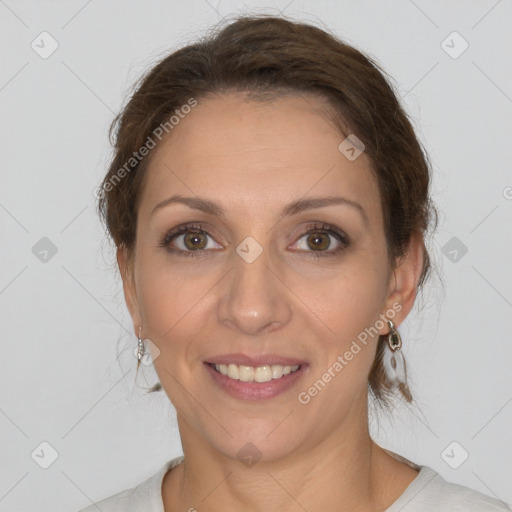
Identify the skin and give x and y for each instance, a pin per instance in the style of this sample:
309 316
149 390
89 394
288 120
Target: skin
254 158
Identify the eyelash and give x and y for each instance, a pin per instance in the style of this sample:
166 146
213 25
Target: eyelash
315 228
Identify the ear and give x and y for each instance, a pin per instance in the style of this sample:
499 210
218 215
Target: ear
130 292
404 280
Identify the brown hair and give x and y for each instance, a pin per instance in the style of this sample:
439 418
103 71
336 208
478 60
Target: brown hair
266 55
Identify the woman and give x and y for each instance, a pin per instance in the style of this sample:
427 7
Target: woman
270 201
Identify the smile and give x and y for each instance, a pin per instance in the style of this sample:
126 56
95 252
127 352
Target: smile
254 374
260 382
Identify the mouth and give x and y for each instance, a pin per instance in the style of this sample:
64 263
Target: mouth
254 378
264 373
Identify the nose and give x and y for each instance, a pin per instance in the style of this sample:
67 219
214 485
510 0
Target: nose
254 299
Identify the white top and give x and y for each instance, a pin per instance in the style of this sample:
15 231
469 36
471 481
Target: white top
426 493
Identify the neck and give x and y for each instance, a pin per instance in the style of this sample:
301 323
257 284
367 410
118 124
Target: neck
345 472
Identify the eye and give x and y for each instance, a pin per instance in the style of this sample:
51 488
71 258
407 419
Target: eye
317 241
188 239
320 238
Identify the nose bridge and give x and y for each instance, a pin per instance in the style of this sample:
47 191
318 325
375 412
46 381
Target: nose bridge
254 300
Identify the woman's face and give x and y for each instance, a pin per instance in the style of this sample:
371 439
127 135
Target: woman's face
267 275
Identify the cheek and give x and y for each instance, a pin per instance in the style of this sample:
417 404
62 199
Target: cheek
176 307
169 297
351 308
348 300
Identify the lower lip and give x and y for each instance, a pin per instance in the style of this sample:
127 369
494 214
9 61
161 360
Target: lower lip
255 390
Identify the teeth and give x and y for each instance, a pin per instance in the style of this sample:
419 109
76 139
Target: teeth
262 374
232 371
246 373
254 374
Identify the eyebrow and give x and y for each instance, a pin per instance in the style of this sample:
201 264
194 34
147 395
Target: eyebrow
294 208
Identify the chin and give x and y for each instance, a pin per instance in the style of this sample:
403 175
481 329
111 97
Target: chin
259 440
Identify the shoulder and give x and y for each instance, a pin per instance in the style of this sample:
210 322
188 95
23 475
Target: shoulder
430 491
146 496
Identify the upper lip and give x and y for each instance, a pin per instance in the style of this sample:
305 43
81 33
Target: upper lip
257 360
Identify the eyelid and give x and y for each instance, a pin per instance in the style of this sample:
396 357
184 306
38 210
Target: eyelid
319 226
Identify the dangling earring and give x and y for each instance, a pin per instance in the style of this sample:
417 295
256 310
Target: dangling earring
141 348
394 362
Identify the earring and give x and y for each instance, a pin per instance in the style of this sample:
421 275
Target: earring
141 348
394 362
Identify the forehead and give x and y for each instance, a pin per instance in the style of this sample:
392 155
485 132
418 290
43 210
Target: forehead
258 152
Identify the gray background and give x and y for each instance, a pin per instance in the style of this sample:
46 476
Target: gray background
63 317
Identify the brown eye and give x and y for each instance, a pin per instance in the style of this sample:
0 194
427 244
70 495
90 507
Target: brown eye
322 240
318 241
187 240
195 241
